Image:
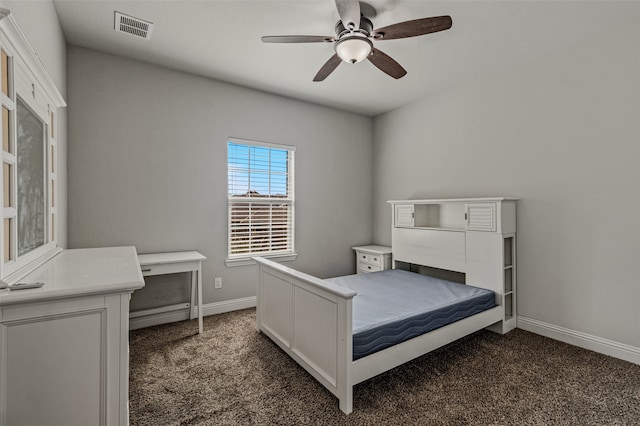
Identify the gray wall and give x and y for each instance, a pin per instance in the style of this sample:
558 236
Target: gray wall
39 22
562 133
147 166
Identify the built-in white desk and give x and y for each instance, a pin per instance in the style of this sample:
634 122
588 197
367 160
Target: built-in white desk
173 263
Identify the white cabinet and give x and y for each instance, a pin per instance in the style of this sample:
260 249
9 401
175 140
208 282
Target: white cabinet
481 216
403 215
491 259
459 214
372 258
64 356
475 236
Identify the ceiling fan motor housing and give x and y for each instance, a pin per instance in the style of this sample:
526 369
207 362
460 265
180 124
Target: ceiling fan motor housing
366 26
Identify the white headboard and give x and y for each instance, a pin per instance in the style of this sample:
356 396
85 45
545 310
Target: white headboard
437 249
474 236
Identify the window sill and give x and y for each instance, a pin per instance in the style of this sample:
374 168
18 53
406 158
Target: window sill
27 268
247 261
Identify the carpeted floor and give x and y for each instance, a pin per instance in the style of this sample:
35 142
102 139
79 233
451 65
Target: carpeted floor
233 375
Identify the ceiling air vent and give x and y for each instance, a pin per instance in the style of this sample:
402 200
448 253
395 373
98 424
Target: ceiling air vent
134 26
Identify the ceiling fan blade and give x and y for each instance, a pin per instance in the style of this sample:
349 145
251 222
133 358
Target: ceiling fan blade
349 11
413 28
386 64
298 39
328 68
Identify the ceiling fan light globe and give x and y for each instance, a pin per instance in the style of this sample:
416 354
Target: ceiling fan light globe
353 49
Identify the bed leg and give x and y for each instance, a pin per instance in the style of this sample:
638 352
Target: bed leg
346 402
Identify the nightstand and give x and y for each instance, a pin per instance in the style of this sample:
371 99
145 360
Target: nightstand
372 258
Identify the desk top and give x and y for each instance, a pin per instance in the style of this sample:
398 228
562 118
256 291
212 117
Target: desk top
81 272
173 257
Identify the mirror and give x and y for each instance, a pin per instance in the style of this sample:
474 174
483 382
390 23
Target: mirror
31 162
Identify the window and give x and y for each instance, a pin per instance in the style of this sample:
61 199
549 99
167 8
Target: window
260 197
32 199
29 173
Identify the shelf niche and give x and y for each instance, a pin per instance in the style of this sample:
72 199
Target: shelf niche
434 216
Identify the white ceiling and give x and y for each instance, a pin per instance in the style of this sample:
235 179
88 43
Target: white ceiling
221 40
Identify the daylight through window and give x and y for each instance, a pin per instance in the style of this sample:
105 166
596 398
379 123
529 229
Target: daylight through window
260 194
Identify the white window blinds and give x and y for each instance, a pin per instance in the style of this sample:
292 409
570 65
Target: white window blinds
260 198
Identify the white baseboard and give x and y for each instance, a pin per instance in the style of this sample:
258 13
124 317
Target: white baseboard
183 314
583 340
157 319
227 306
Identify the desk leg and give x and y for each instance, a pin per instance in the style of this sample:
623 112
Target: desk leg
200 326
193 296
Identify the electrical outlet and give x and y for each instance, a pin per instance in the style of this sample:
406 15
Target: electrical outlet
217 283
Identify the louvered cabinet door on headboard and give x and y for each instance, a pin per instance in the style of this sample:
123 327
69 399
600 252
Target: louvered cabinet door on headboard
403 215
481 217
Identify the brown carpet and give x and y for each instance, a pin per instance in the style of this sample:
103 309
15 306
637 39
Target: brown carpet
231 374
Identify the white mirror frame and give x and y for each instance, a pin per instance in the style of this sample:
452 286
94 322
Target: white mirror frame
34 85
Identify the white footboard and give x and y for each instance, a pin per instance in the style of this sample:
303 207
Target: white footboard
310 320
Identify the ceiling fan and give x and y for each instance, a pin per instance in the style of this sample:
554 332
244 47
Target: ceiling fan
354 35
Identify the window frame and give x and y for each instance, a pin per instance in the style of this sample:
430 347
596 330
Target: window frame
245 258
28 81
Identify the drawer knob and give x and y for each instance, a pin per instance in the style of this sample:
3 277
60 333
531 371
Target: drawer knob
146 270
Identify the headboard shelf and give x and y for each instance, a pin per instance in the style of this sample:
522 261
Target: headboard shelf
453 200
490 214
433 228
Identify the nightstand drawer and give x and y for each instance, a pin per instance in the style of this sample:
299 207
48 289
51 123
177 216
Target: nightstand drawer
370 259
363 267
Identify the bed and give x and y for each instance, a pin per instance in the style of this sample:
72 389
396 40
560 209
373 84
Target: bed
394 306
327 326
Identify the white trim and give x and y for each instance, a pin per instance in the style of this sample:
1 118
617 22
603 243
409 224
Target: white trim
260 143
23 271
580 339
159 310
229 305
183 314
248 261
23 49
157 319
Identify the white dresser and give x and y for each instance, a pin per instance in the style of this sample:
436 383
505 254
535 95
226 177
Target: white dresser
64 354
372 258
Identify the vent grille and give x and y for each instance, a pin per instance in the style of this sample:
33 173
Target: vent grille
134 26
